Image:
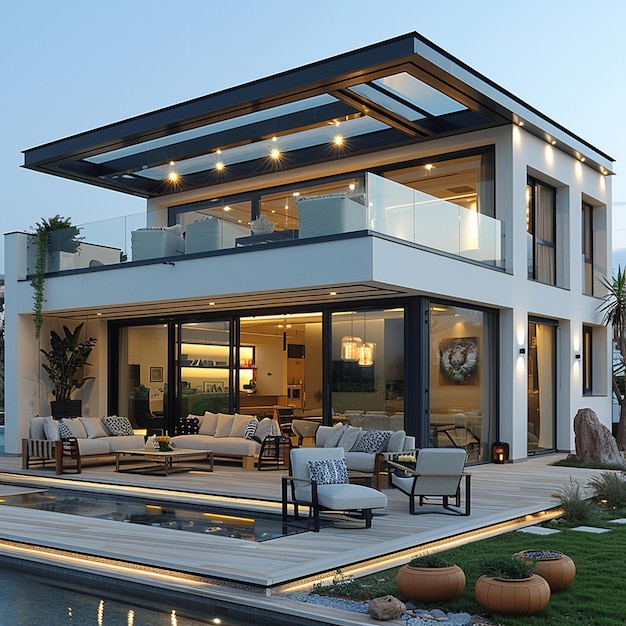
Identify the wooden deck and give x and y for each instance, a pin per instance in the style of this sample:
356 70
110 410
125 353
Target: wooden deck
500 493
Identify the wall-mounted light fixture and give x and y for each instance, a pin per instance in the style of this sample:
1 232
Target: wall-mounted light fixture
577 355
522 350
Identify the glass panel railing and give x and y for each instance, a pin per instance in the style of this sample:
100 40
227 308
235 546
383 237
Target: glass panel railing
412 215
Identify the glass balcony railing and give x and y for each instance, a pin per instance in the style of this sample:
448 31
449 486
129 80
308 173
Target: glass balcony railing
386 207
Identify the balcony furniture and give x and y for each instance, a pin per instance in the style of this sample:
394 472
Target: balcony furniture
329 215
274 452
212 233
318 480
70 456
156 243
437 474
304 430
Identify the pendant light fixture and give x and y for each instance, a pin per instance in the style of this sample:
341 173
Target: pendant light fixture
366 352
351 345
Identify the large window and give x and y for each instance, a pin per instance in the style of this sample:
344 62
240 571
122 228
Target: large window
587 244
541 229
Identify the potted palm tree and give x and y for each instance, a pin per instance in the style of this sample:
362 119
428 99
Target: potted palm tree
65 359
510 586
430 578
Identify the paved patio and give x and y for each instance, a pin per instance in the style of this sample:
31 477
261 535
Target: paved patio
239 569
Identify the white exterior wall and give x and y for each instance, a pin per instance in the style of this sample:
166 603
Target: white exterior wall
372 260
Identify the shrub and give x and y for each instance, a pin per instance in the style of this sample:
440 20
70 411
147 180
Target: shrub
610 489
510 568
576 507
429 560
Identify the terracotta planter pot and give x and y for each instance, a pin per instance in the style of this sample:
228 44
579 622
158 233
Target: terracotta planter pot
525 596
426 584
557 568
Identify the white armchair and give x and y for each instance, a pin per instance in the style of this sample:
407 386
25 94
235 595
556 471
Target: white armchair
212 233
155 243
319 480
329 215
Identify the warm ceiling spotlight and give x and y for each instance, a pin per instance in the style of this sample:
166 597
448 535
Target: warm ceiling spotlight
332 293
211 303
173 177
295 194
171 162
582 159
226 208
218 151
521 123
219 166
429 167
553 142
338 140
352 186
274 138
275 153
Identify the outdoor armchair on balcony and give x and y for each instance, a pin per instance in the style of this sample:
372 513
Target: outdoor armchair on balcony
157 242
319 480
437 474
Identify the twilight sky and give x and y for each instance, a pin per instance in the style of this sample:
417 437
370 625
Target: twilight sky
67 66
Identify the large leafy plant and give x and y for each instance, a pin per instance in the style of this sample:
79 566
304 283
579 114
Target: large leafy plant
66 357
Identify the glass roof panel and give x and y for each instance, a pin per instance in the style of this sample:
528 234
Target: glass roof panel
323 134
418 93
209 129
391 104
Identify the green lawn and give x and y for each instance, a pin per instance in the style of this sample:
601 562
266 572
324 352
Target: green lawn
596 597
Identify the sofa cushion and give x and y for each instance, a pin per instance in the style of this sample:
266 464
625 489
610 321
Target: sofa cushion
240 423
94 446
195 442
373 441
36 430
51 428
267 427
224 425
345 497
349 438
117 426
361 462
208 423
328 471
124 442
93 427
395 443
189 425
321 434
75 427
251 428
333 438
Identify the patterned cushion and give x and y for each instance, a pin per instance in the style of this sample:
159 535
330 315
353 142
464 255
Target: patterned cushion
117 426
250 430
72 427
64 430
189 426
373 441
328 471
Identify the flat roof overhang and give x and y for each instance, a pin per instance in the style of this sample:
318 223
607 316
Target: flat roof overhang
404 90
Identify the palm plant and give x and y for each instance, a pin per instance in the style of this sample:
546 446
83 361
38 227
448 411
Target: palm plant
614 310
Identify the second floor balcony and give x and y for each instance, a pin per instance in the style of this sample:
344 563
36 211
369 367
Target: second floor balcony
378 205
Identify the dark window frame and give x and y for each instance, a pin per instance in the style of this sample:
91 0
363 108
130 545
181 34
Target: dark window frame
587 359
587 246
533 185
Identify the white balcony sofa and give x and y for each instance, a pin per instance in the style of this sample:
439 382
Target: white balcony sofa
212 233
157 242
328 215
228 436
364 455
96 437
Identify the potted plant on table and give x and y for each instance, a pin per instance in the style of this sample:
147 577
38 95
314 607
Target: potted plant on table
430 578
52 236
510 586
66 357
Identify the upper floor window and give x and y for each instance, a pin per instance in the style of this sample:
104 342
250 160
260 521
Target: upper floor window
541 231
587 243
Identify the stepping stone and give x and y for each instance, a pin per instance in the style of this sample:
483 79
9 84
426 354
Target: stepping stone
591 529
621 520
538 530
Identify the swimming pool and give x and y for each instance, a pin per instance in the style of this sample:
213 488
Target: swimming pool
226 522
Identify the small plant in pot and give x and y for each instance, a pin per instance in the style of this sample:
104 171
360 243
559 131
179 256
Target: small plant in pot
509 585
557 568
430 578
65 359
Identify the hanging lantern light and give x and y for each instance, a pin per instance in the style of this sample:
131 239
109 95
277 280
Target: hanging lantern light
351 348
366 355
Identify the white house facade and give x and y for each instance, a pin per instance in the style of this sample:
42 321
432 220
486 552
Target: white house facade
385 237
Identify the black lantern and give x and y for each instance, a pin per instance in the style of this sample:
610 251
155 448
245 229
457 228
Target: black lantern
500 452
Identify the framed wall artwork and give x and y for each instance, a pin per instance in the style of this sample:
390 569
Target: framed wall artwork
156 374
458 361
214 386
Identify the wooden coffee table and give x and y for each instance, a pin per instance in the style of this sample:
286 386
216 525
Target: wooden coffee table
161 461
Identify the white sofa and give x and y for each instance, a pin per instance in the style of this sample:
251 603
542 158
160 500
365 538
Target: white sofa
225 435
350 439
156 243
93 435
212 233
329 215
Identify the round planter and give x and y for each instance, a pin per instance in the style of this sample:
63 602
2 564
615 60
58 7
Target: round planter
524 596
557 568
431 584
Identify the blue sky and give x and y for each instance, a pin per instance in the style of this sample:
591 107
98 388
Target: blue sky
68 66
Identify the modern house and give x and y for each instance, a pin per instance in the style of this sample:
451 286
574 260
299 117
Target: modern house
386 235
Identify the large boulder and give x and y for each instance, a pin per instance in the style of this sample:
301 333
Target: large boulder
594 441
386 608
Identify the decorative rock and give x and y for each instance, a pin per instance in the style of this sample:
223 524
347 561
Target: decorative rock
386 608
594 441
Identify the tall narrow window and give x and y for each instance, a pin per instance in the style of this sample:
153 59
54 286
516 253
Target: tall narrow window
587 360
541 229
587 243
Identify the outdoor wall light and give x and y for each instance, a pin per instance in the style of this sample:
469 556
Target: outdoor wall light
522 350
577 356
